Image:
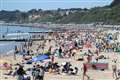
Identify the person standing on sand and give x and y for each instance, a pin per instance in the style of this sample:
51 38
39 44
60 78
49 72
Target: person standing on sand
33 72
114 69
39 73
50 50
42 72
60 52
89 58
21 72
97 52
16 51
52 59
85 69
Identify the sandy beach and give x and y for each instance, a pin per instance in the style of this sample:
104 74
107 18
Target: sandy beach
94 74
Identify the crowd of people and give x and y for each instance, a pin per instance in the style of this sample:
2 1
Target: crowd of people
68 45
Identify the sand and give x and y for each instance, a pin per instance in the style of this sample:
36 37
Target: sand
95 74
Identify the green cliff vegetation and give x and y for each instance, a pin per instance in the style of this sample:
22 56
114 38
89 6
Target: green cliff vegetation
107 15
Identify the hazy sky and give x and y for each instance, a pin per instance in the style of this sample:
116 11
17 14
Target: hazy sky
50 4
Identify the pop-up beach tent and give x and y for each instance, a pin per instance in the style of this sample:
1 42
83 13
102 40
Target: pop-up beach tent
117 49
40 58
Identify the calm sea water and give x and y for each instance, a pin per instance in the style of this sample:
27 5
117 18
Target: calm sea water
8 46
15 29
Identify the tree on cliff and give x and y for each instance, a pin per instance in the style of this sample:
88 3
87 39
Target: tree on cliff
115 2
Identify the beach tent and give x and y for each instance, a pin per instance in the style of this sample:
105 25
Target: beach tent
40 58
111 41
117 49
110 37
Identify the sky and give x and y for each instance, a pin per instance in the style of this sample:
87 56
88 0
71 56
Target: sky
26 5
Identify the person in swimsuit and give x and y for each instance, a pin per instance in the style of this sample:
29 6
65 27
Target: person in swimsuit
85 69
114 69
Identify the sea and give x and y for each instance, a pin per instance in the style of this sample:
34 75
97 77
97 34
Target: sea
6 47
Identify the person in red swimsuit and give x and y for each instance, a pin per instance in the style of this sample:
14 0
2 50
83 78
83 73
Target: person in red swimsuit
52 58
85 69
89 58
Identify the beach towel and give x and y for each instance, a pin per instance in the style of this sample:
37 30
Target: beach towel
40 58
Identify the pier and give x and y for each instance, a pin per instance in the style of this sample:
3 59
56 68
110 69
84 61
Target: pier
23 40
24 37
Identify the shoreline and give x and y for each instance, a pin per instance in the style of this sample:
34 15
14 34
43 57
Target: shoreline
53 26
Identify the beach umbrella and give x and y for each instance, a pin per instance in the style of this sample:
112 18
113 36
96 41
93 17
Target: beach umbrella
40 58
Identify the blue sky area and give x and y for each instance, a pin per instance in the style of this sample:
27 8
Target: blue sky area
25 5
